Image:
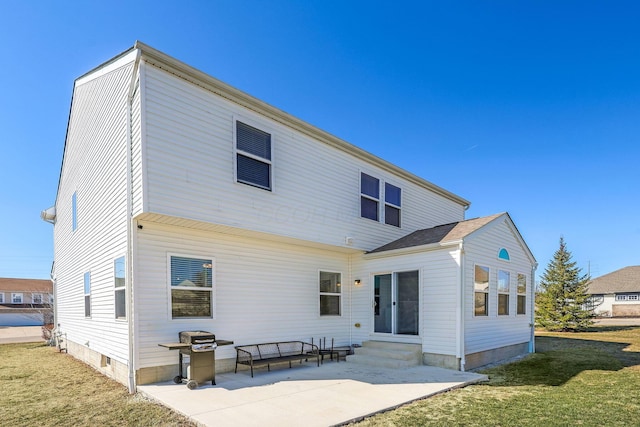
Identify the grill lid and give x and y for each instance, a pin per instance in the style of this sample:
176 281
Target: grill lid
191 337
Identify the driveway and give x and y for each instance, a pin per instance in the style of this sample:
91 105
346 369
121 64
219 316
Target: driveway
16 334
306 395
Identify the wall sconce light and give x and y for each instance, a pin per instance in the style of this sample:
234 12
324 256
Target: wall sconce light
356 282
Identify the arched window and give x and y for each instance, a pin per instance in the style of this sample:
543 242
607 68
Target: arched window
504 254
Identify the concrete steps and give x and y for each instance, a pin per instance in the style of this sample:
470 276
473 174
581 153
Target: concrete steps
387 354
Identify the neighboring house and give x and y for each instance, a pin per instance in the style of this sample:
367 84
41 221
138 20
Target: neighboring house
617 294
186 204
25 302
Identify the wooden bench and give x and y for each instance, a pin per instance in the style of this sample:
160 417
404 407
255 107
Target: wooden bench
254 355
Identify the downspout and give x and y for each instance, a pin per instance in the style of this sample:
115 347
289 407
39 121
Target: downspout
532 340
130 231
351 285
460 310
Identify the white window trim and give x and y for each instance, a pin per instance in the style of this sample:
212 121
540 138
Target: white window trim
1 297
214 300
381 200
260 125
522 294
502 292
120 289
384 198
85 295
488 292
16 294
340 294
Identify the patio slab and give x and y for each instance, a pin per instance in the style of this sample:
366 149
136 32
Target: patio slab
332 394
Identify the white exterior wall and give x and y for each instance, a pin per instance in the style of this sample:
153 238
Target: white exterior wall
493 331
95 168
439 284
263 291
188 151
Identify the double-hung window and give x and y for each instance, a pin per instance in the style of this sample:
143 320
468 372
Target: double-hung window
504 285
253 156
481 290
36 298
191 281
16 298
369 197
330 295
522 294
392 203
87 294
1 298
120 288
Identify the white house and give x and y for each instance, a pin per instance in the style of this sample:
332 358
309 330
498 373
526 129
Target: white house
617 294
186 204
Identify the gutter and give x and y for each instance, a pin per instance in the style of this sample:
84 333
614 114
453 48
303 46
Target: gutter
130 230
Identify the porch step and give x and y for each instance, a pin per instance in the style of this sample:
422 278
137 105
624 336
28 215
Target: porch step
387 355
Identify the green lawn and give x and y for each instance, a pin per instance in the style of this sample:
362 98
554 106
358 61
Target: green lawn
574 379
41 387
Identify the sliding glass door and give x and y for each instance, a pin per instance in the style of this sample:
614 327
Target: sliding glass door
397 303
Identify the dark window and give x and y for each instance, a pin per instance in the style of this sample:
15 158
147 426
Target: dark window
370 197
253 156
330 292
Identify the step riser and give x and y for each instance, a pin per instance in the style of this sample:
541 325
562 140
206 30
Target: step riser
386 354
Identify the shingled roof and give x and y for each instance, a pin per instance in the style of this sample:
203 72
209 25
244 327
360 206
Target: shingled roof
624 280
25 285
440 234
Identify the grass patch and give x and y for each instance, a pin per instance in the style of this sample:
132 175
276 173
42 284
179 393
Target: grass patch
43 387
580 379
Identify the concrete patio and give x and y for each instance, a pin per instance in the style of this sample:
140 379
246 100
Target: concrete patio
332 394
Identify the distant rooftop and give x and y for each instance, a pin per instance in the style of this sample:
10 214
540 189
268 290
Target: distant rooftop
25 285
624 280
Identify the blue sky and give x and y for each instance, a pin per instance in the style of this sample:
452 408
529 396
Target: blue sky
530 107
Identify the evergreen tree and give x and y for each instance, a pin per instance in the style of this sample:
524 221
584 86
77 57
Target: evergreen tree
561 303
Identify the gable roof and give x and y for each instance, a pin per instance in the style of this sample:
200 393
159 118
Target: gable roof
25 285
624 280
442 234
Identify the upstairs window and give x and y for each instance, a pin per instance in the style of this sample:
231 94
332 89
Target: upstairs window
74 211
481 290
120 288
191 287
16 298
369 197
87 294
392 201
253 156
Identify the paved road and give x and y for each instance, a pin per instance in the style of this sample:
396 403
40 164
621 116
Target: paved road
619 321
15 334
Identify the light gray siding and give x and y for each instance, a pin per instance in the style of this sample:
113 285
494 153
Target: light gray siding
94 168
316 187
494 331
264 291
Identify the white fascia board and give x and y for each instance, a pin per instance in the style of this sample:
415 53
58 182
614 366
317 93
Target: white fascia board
107 67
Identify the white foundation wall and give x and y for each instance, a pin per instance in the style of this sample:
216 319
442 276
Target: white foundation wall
264 291
495 331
